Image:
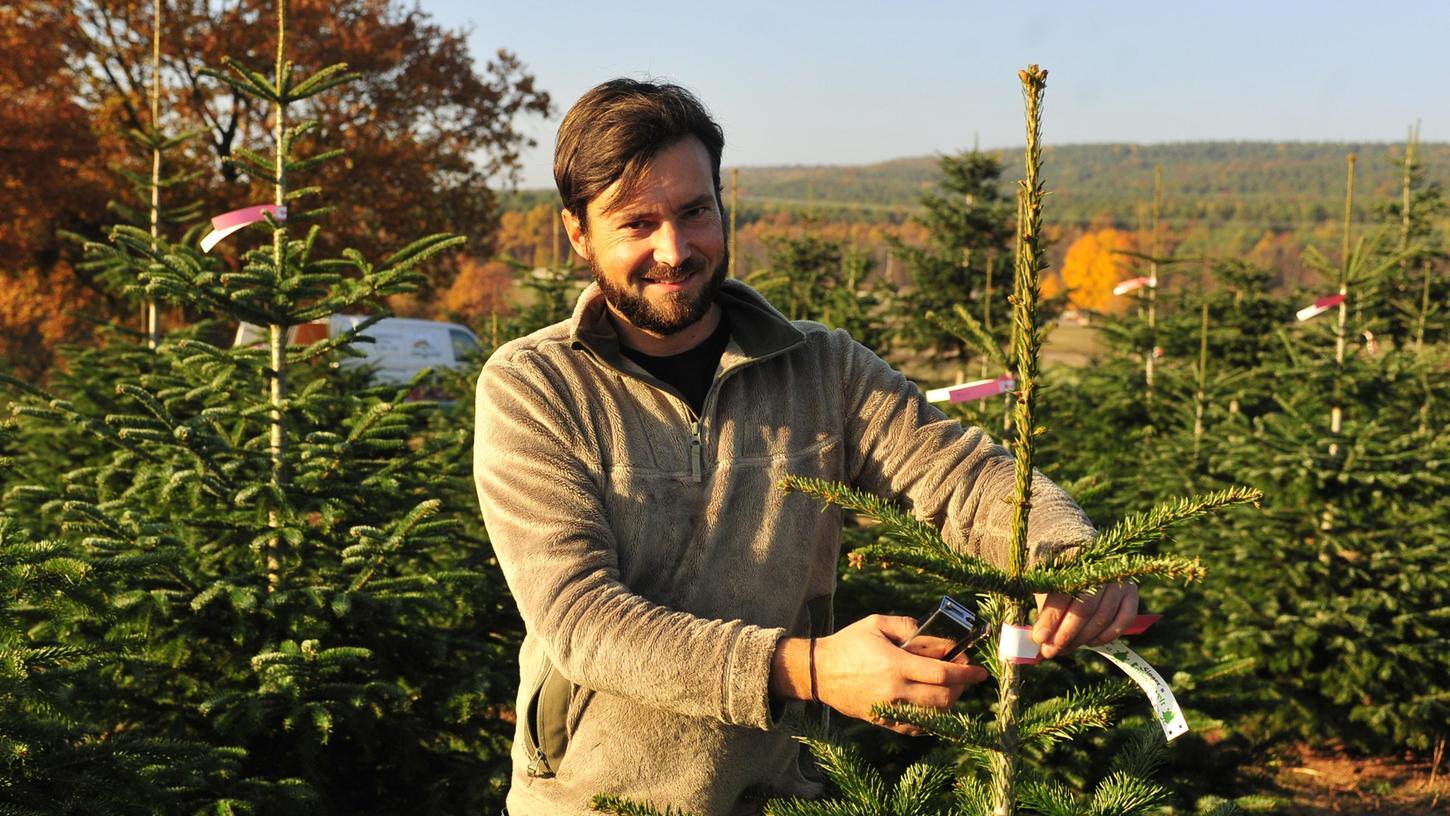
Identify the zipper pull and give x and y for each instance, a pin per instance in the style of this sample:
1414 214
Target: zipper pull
697 453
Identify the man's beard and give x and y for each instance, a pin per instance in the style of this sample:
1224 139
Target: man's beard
676 310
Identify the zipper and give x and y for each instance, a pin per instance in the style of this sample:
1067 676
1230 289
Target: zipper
697 452
533 742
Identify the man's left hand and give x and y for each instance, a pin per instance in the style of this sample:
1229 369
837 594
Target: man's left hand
1065 622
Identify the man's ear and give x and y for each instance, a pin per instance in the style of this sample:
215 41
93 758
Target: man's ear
575 230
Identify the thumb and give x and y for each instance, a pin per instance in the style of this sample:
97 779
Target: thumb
897 628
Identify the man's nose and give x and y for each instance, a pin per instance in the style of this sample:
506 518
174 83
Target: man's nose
670 246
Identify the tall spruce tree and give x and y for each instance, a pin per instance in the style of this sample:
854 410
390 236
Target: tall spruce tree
966 261
306 606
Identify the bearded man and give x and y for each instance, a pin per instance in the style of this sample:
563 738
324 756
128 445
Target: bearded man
677 604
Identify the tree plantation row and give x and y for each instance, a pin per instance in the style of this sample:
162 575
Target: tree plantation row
250 580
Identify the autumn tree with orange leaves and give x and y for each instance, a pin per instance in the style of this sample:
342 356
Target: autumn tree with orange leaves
52 172
427 129
1095 263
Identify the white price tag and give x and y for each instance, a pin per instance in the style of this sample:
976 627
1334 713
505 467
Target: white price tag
1165 707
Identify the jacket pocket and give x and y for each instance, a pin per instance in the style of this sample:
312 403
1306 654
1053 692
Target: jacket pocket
546 736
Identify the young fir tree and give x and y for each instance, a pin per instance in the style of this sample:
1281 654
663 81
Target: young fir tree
995 749
810 278
1348 629
967 259
310 612
1412 295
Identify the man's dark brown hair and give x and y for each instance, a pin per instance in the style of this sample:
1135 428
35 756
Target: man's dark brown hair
615 129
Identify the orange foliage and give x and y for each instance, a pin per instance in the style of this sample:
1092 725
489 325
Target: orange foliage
1279 251
479 289
37 312
1051 285
526 237
427 126
1093 266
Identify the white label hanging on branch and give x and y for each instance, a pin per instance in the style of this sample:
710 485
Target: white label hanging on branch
1370 343
1320 306
1165 707
229 222
975 390
1134 283
1017 646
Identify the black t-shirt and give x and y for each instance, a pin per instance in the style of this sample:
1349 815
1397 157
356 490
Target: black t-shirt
689 372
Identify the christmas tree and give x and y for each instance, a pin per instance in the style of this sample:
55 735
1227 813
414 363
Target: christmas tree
301 604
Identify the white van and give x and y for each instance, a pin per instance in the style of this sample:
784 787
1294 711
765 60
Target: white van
402 346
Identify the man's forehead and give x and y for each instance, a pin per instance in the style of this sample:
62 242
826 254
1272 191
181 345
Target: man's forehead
679 175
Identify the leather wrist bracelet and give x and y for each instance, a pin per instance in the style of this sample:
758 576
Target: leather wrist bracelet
814 698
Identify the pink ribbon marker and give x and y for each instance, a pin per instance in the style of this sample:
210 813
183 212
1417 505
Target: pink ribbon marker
229 222
1320 306
975 390
1133 283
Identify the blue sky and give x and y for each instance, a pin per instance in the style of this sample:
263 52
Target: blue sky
853 81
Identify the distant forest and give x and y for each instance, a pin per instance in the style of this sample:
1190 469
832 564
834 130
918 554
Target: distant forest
1280 186
1260 201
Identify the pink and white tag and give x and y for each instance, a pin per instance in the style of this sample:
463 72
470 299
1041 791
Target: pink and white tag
974 390
1017 646
229 222
1320 306
1134 283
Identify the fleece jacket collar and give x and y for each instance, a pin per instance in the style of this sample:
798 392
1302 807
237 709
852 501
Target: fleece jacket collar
755 326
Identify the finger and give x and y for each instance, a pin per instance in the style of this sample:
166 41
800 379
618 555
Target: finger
1049 616
1079 612
1127 613
938 672
1109 600
896 628
906 729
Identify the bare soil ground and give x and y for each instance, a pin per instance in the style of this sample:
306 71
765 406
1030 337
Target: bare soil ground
1323 780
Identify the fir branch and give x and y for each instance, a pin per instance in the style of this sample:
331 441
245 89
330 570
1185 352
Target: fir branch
1122 794
1048 799
1085 574
895 522
1138 529
620 806
919 785
971 796
966 328
323 80
1143 754
955 568
843 766
1076 712
956 727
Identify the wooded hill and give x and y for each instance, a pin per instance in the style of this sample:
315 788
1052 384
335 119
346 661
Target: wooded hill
1280 186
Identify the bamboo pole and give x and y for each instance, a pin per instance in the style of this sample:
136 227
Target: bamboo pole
1412 140
1026 348
1336 411
1199 398
1153 283
987 303
277 333
149 312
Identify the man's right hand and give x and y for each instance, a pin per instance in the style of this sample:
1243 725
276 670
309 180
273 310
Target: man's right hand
864 664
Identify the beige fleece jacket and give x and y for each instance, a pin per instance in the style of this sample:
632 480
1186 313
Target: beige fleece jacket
656 563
